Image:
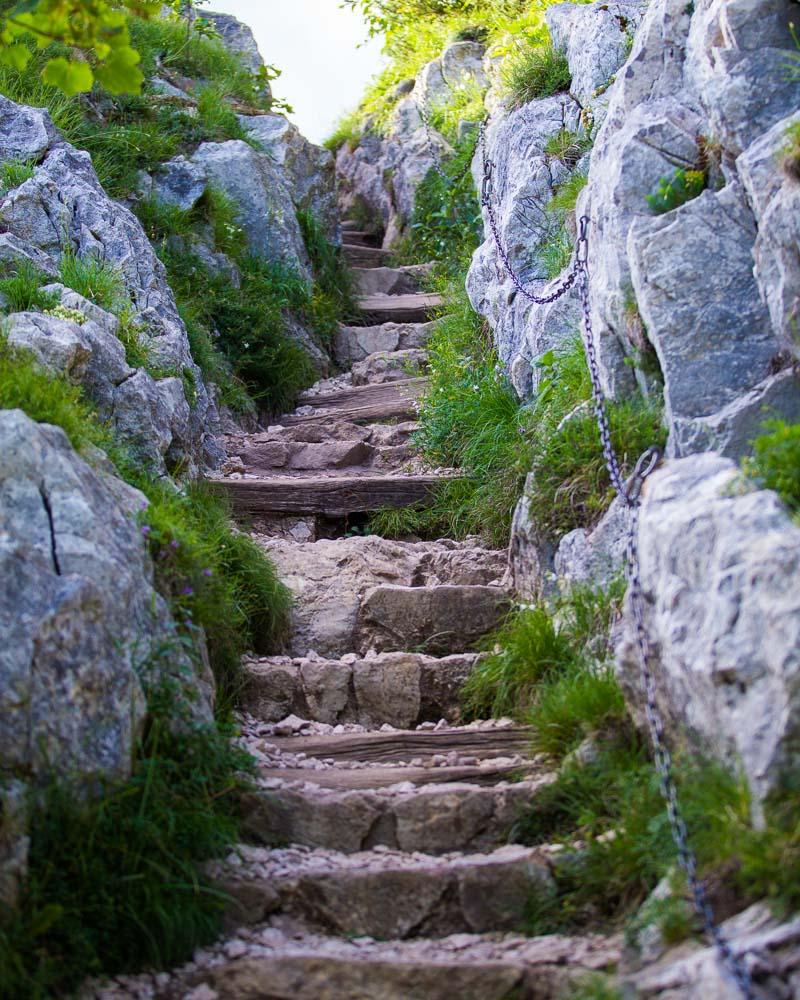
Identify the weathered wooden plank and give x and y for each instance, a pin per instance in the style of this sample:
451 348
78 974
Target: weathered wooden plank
335 496
361 238
358 256
377 747
361 395
401 408
415 308
355 779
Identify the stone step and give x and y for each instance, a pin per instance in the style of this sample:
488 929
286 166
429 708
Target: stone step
400 308
438 620
390 280
329 579
363 256
387 894
354 343
348 225
362 238
329 495
437 817
274 454
389 366
398 689
282 960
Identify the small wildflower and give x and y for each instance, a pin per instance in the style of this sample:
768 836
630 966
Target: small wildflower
208 572
187 592
146 529
174 544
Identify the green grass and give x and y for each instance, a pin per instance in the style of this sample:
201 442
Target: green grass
567 146
571 484
541 666
22 289
95 280
534 72
775 462
347 132
334 297
13 173
563 201
464 104
115 882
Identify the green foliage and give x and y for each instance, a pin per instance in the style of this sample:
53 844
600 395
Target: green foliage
215 116
65 312
556 252
22 289
613 805
464 104
776 461
540 666
96 37
116 881
533 72
790 160
249 327
48 399
213 576
335 297
95 280
571 484
446 225
13 173
672 192
595 986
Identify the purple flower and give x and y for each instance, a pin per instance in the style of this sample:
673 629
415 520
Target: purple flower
187 591
146 529
174 544
208 572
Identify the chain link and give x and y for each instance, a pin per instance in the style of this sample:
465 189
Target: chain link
487 191
630 494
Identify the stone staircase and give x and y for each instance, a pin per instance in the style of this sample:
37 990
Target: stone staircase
376 865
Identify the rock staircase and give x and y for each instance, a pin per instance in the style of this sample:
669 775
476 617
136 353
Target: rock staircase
377 865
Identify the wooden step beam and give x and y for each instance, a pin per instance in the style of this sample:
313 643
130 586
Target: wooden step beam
360 395
414 308
333 496
358 256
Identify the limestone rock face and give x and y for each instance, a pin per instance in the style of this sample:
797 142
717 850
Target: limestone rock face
259 189
179 182
82 616
720 569
236 37
63 207
309 169
382 173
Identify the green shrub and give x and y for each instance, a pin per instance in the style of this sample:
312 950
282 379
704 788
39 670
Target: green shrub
672 192
95 280
116 882
22 289
161 219
776 461
790 159
465 103
534 72
334 297
571 487
13 173
556 252
216 118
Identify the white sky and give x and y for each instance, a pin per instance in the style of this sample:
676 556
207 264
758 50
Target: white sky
316 44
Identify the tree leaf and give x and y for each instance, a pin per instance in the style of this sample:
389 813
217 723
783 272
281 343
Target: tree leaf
120 73
15 56
69 75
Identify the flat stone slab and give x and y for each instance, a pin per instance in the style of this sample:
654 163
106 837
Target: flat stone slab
439 620
355 343
388 894
285 961
329 578
401 689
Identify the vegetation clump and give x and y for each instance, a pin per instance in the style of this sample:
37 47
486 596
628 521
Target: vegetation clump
534 72
672 192
775 462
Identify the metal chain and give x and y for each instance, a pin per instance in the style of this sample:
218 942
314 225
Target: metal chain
487 190
630 494
434 152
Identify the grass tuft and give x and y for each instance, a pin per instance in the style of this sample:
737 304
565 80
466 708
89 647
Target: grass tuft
534 72
22 289
95 280
13 173
776 461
